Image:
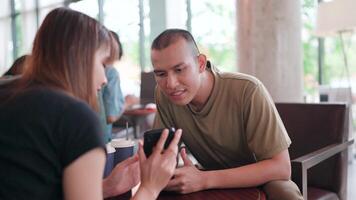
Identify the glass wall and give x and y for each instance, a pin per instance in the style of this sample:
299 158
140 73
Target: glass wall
310 49
333 78
211 22
6 42
123 18
89 7
19 21
213 26
333 72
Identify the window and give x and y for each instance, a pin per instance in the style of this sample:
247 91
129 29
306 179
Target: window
19 20
123 17
310 49
89 7
6 44
333 69
214 28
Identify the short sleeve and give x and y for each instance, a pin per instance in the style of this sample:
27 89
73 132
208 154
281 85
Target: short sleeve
112 95
79 131
265 133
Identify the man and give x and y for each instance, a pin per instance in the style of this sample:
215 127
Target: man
229 121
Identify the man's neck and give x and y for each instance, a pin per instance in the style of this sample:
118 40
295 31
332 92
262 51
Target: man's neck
204 92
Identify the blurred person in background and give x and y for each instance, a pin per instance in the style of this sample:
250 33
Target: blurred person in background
111 100
15 71
17 67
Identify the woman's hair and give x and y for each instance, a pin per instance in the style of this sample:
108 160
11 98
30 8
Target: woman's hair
63 54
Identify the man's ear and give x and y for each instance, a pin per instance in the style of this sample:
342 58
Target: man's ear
202 62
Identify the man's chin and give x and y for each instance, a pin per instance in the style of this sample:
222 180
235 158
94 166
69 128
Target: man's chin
180 102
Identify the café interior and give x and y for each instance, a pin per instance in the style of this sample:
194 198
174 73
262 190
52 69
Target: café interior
301 50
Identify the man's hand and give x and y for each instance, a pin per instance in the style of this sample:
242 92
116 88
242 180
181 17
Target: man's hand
123 177
187 179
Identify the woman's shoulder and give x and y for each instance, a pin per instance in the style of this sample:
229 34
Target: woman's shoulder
60 99
46 94
53 100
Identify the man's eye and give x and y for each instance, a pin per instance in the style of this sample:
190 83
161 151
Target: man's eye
159 74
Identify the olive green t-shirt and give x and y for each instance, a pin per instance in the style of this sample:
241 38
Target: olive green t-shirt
238 125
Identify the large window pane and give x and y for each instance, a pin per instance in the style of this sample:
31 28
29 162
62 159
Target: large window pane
6 45
122 17
214 28
89 7
334 73
310 49
26 25
46 6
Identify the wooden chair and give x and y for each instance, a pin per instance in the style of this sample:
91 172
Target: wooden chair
319 149
148 84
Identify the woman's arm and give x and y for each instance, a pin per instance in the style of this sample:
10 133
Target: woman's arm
82 179
157 169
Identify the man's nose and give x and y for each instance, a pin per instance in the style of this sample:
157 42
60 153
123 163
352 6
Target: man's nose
172 82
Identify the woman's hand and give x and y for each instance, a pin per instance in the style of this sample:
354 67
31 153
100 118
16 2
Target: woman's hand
159 168
123 177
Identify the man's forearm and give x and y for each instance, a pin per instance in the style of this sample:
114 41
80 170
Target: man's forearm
247 176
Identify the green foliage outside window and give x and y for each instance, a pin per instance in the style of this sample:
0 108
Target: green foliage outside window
310 47
214 30
333 70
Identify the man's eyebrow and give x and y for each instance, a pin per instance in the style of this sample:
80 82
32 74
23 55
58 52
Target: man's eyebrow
178 65
175 66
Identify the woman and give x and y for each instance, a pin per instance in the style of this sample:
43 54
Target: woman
50 145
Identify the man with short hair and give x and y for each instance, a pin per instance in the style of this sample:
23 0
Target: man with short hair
229 122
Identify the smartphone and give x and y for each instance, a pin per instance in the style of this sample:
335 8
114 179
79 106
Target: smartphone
151 137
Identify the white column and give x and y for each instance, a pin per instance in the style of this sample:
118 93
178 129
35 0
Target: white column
269 46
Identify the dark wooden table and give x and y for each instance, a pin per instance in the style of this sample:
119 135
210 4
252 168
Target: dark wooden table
223 194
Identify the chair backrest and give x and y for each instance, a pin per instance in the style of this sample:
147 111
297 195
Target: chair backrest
148 84
312 127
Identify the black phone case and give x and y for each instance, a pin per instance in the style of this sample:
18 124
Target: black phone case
151 138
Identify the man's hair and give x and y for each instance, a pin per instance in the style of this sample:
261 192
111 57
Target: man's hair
117 39
63 54
171 36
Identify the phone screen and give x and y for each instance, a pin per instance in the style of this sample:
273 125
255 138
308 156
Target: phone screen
151 138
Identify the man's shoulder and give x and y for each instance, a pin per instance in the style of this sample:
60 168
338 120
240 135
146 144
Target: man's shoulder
238 77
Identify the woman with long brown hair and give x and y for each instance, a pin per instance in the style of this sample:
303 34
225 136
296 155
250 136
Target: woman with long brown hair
50 142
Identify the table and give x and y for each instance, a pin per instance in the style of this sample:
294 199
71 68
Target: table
136 115
223 194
